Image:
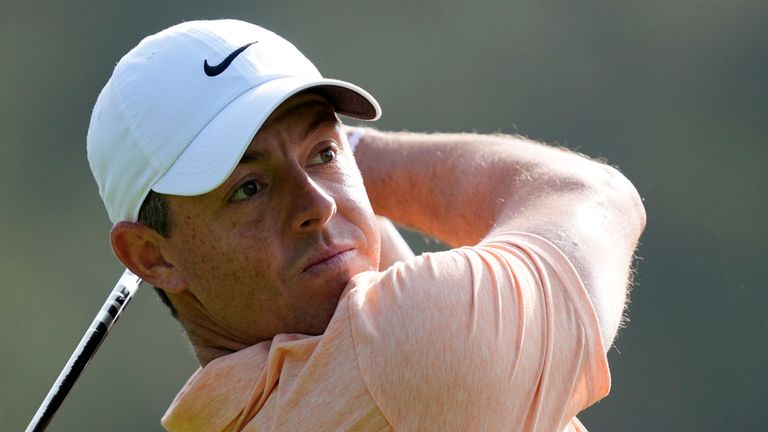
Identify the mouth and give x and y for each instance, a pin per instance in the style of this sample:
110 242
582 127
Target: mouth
331 259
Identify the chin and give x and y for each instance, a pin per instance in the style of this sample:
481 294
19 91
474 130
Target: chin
328 290
319 323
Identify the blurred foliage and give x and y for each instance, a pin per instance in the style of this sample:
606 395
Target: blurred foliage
673 93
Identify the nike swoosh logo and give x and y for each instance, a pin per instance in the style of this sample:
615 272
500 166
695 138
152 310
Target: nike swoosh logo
213 71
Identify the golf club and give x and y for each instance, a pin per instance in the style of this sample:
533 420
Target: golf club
119 297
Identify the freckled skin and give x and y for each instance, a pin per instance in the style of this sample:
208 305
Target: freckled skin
242 261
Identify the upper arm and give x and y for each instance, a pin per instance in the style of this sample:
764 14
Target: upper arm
596 223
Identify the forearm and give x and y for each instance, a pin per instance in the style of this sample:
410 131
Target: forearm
456 187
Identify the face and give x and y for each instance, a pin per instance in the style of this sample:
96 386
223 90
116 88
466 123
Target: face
271 249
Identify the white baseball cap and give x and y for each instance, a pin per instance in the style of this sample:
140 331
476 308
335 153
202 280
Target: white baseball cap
182 107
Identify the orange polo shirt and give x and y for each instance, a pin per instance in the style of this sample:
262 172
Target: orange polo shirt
498 336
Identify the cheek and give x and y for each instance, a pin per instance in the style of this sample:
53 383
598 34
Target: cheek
354 188
219 256
360 213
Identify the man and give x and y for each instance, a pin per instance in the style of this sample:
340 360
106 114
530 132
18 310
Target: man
235 190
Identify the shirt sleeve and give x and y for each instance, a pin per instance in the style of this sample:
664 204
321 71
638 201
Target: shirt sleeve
488 337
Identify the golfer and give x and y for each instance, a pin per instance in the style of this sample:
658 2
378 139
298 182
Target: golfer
235 189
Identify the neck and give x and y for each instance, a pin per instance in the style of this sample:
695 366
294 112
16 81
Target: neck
209 339
207 343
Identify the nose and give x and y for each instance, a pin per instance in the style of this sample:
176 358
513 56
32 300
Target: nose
311 207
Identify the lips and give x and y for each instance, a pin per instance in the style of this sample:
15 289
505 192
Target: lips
328 259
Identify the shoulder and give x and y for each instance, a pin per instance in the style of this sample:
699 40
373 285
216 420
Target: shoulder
476 330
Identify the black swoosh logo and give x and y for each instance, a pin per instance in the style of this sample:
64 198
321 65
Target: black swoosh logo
212 71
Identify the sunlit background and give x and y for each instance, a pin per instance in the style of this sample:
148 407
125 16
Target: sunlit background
675 93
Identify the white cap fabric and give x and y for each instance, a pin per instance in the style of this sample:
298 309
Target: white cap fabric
182 107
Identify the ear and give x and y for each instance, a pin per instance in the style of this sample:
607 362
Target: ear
141 249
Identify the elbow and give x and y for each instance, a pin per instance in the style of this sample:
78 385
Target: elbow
608 222
622 197
632 203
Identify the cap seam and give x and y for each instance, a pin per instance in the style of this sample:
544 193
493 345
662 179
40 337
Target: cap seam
125 111
201 35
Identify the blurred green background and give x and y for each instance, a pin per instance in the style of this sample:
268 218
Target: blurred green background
675 93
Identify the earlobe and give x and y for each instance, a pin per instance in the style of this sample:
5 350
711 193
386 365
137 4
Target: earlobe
141 249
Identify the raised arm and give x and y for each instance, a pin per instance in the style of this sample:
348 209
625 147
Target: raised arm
393 245
460 187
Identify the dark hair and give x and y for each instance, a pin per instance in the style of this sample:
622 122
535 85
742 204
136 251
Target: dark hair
154 214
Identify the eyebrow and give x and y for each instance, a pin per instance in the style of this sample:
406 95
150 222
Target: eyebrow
251 155
320 119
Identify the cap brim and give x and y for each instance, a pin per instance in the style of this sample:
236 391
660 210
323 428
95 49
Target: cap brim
214 153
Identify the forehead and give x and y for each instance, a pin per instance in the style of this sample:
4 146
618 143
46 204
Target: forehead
299 110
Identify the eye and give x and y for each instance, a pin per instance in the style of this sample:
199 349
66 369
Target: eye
324 156
247 189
